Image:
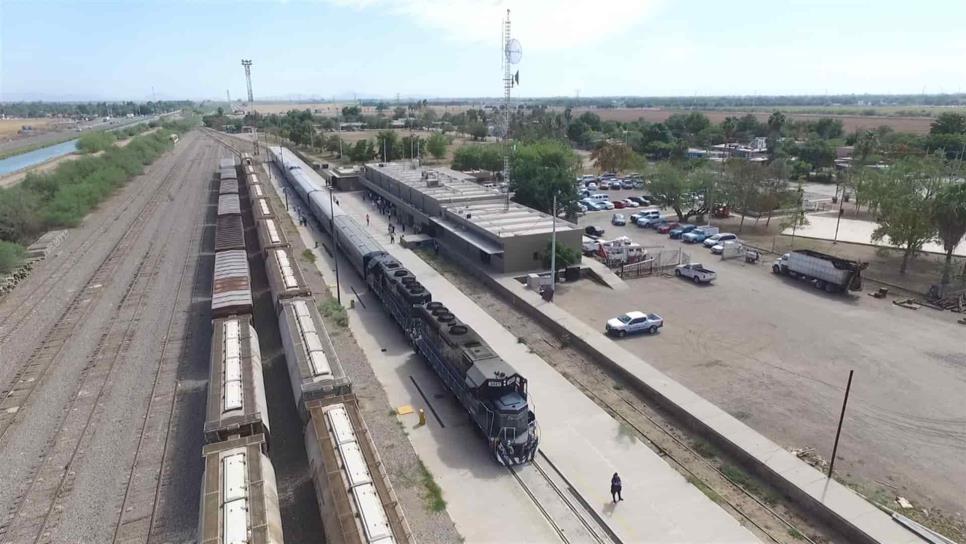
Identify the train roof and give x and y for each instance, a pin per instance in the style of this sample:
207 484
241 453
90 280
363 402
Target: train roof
314 366
227 186
236 390
239 496
227 173
261 209
231 290
362 507
256 189
270 234
229 204
228 162
229 233
284 276
494 368
357 235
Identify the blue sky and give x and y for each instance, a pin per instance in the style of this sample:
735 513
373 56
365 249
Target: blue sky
451 48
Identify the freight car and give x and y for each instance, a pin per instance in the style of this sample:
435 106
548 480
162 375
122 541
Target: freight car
236 391
228 205
356 502
228 186
284 277
227 162
488 388
239 494
313 365
261 209
231 292
270 236
229 233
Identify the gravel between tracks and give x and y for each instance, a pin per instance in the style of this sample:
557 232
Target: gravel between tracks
89 505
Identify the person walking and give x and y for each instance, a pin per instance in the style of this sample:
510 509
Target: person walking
615 488
392 238
367 220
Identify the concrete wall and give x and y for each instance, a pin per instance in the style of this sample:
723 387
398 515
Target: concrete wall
519 251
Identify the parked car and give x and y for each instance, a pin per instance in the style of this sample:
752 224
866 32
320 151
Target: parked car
719 248
699 235
594 231
588 245
633 322
695 272
604 185
618 220
643 201
592 186
596 206
680 231
628 203
667 227
608 205
627 184
619 204
581 207
721 237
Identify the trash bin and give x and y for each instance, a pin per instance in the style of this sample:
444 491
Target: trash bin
572 273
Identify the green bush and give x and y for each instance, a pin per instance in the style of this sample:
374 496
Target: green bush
334 311
92 142
11 256
478 157
64 196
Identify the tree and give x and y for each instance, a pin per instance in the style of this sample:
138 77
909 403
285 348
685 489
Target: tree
387 145
949 218
362 151
818 153
742 185
776 122
949 123
477 130
381 107
612 157
478 157
566 256
906 201
673 187
541 170
436 145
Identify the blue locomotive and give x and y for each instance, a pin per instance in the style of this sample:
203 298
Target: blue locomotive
492 392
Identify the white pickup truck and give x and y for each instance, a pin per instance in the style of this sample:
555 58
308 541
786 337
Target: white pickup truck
696 272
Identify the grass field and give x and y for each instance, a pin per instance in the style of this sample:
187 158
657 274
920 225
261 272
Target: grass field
9 127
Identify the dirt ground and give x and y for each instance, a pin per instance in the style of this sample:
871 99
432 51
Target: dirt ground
776 354
10 127
916 125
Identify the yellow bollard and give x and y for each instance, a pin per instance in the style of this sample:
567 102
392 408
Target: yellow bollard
422 417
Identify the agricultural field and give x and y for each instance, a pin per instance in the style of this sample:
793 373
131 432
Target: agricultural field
10 127
851 122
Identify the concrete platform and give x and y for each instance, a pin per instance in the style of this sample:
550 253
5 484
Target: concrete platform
581 440
836 503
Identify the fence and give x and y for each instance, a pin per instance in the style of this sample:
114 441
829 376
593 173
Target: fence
656 262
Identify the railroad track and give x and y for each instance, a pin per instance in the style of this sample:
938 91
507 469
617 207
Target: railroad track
29 375
37 510
572 519
27 300
144 482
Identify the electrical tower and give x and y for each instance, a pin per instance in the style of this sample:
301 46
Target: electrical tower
247 63
512 52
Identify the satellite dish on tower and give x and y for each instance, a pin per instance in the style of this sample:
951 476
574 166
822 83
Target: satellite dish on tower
514 51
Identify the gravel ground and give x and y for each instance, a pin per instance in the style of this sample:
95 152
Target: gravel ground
95 479
398 456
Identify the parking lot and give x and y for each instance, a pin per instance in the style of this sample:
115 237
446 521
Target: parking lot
776 354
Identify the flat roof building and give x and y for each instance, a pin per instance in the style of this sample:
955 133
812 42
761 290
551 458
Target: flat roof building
475 221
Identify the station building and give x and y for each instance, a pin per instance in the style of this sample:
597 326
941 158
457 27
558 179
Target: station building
477 222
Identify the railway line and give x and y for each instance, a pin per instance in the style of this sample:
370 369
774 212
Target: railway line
42 507
571 518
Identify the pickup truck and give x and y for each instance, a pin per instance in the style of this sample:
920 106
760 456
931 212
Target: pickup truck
681 231
632 322
699 235
696 272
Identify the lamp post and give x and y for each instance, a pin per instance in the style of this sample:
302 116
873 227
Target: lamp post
553 249
335 249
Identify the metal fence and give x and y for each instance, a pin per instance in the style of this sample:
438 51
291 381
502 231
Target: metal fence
657 262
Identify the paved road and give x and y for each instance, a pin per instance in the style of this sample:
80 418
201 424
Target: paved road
776 354
92 345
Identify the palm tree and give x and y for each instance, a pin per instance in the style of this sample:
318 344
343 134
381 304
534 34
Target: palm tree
949 215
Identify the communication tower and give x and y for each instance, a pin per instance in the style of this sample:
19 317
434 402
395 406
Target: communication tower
512 52
247 63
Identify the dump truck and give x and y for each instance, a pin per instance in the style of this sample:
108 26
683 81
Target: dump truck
827 272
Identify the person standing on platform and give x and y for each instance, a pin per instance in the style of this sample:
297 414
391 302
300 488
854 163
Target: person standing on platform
615 488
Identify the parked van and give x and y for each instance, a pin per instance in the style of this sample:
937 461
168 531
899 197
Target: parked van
599 197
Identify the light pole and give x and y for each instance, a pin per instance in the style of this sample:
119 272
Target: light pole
335 249
553 249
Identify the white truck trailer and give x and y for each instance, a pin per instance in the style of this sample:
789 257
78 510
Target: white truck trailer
829 273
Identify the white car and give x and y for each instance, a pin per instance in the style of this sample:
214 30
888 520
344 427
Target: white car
632 322
719 238
628 203
608 204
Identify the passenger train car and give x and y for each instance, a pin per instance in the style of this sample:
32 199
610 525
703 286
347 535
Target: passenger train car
492 392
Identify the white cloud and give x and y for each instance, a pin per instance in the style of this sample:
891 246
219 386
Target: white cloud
538 24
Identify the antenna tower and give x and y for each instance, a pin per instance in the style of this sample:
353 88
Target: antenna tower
511 55
247 63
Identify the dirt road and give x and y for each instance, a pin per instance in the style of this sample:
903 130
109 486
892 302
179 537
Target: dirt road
776 354
91 347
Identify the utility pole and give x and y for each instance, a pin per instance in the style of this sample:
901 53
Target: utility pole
553 250
335 246
247 63
845 402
